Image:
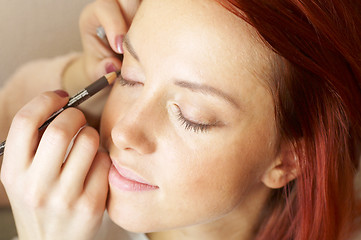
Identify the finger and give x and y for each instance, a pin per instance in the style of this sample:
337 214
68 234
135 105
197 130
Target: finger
129 8
94 48
104 13
54 144
23 135
96 184
79 161
107 65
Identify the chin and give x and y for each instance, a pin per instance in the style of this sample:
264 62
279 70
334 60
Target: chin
131 218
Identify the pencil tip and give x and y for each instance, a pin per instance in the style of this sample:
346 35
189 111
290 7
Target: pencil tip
118 73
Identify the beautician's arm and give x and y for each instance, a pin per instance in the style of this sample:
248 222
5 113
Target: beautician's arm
26 83
71 72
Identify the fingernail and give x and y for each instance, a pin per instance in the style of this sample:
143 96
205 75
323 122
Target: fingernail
119 43
110 67
62 93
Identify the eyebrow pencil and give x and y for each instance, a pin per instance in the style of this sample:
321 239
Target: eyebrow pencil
78 98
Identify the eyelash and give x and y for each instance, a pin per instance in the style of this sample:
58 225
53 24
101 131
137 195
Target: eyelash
187 124
124 82
190 125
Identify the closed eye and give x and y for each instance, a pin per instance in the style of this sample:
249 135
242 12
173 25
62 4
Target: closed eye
125 82
191 125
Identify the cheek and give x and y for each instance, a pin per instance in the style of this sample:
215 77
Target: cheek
223 170
108 119
210 181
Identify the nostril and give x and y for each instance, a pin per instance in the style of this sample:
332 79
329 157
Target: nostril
132 136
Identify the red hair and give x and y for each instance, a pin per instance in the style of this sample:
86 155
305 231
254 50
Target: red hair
317 95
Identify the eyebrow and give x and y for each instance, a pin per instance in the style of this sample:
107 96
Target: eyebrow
206 89
202 88
130 47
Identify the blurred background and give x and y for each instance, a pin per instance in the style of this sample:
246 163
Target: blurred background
31 30
36 29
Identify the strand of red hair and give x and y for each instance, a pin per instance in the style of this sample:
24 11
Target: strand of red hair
317 95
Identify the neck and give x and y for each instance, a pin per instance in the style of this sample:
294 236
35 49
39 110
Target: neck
238 224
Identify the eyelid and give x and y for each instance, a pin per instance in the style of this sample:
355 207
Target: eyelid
131 73
126 82
191 124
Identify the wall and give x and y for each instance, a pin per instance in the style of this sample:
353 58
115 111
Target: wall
36 29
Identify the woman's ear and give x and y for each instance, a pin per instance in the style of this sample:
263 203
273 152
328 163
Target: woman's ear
283 169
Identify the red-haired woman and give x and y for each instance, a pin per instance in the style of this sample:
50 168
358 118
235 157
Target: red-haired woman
231 120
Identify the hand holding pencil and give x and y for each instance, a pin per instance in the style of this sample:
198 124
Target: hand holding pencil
47 183
77 99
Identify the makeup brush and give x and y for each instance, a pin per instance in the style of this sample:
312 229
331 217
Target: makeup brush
78 98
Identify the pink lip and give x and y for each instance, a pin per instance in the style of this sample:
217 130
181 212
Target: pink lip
126 179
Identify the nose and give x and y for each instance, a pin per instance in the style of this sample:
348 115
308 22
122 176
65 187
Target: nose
135 130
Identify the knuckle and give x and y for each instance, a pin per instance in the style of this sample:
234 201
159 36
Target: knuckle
8 178
63 204
57 133
88 138
91 207
34 198
23 119
76 113
5 179
45 99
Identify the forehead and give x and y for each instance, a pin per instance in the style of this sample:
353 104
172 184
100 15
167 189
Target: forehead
200 35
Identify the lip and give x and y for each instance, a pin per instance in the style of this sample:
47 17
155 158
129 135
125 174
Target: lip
127 180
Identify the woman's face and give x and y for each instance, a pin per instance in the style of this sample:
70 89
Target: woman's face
190 128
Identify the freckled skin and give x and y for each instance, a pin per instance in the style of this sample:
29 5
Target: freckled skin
206 178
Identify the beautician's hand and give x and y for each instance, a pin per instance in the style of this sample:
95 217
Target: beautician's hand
51 199
115 16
